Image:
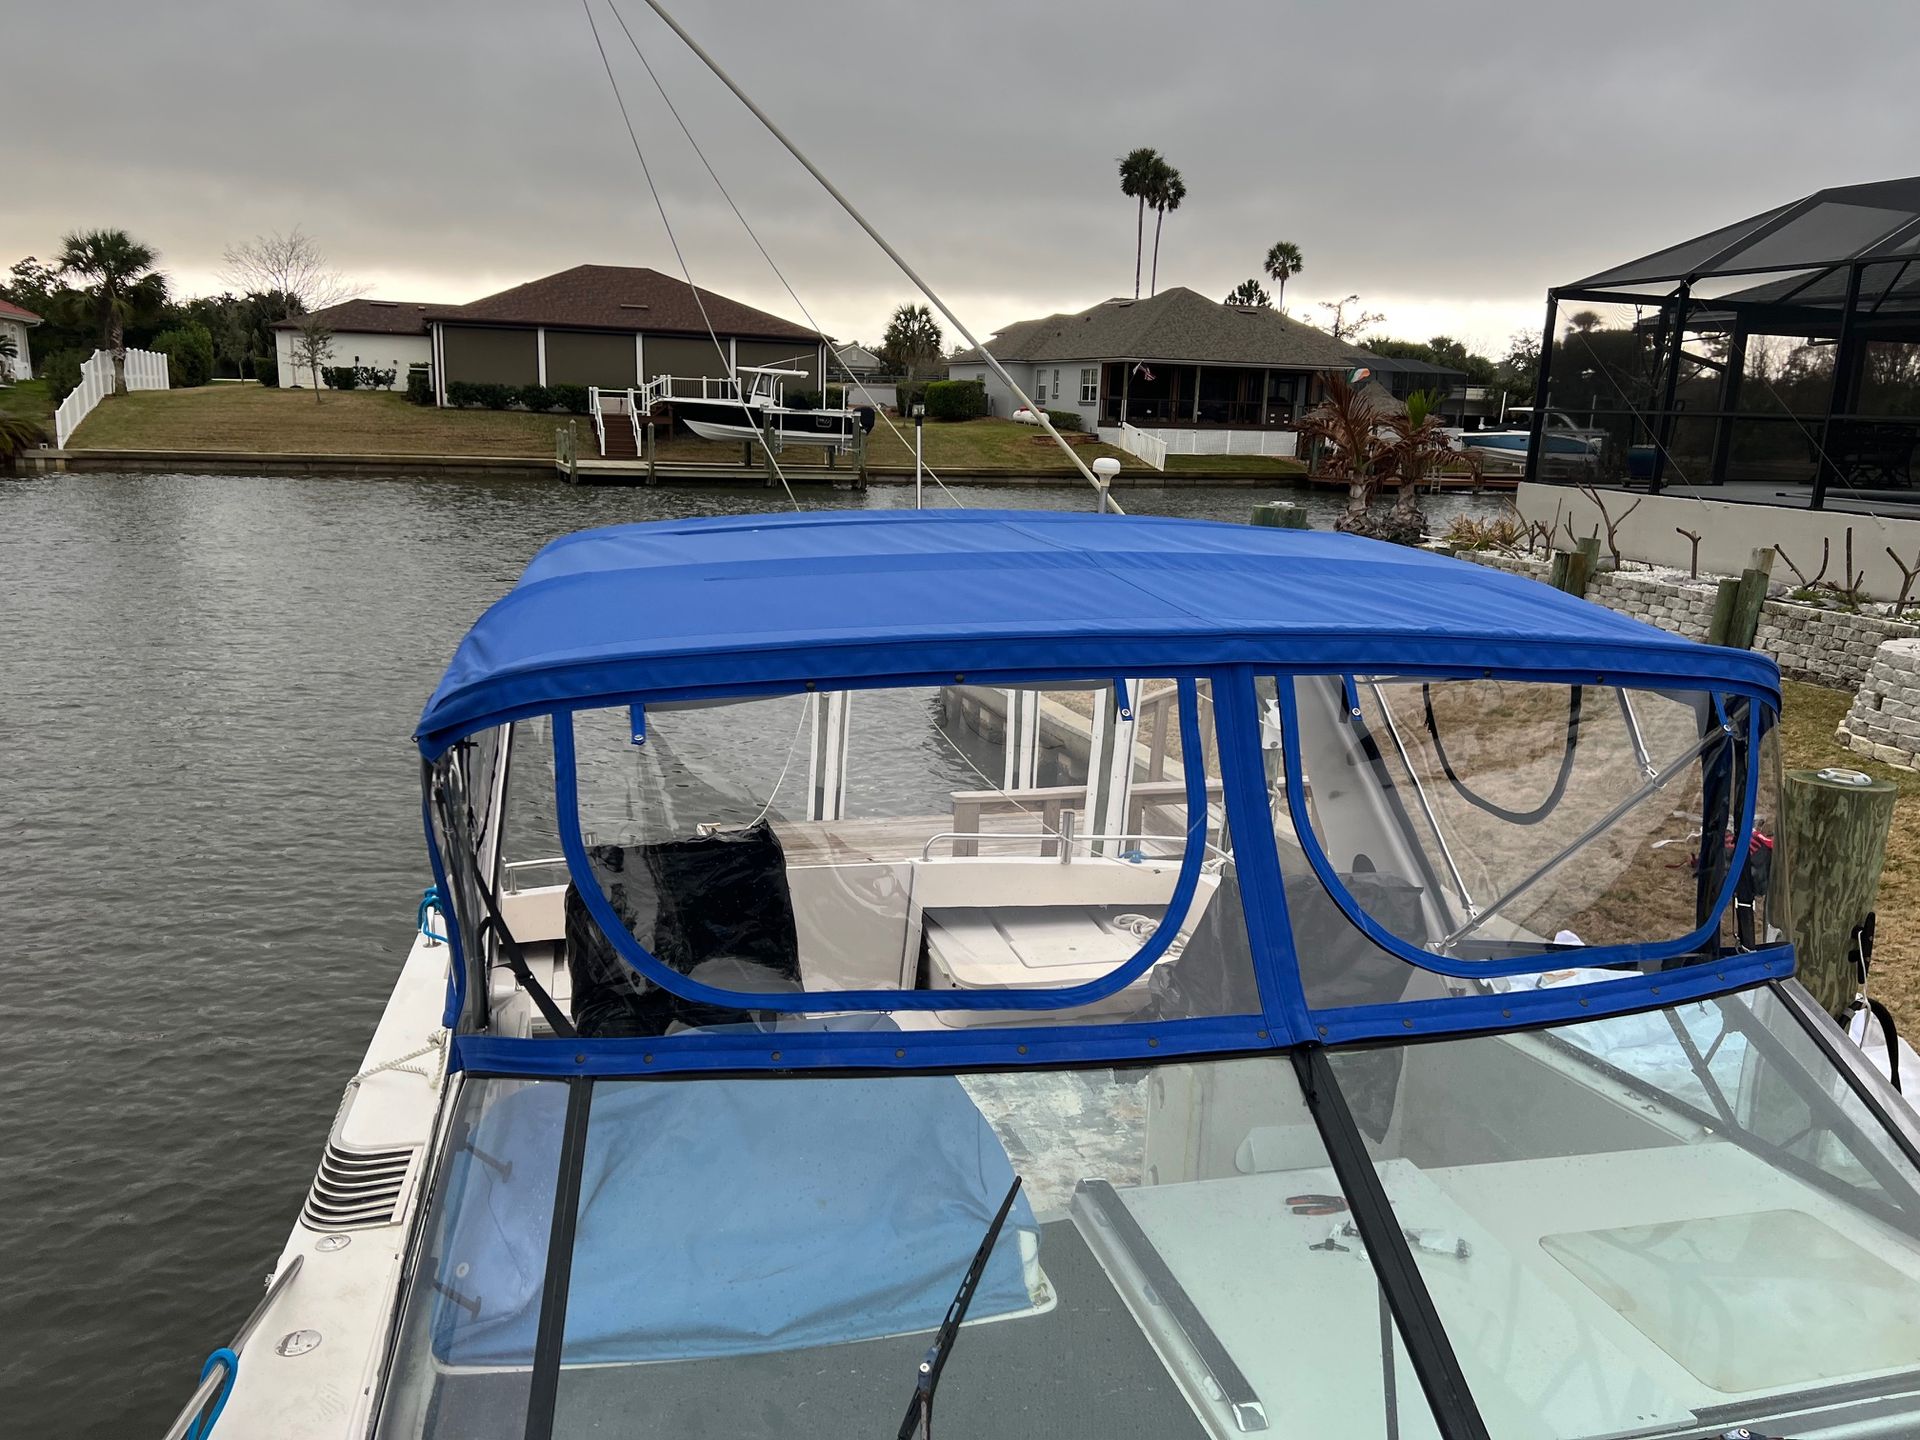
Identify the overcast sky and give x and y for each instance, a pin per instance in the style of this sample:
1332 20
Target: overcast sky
1447 163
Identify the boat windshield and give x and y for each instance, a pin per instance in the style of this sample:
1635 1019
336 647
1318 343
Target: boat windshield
1663 1224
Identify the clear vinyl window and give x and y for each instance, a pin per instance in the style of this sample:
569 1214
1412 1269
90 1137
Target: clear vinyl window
951 839
1481 820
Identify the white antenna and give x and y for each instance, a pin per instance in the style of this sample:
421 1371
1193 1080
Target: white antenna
880 240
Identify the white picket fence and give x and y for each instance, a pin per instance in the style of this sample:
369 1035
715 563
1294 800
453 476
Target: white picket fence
1142 446
146 370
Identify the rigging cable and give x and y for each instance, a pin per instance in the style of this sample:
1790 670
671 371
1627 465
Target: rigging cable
892 254
765 254
674 241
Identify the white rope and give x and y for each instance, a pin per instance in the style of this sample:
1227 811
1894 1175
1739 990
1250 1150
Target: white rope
793 748
402 1064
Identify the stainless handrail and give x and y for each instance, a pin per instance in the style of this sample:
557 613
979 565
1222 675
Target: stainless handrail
210 1386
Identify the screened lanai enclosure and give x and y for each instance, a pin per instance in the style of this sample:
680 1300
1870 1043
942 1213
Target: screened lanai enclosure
1779 355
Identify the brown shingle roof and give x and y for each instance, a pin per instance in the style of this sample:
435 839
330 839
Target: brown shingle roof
1176 324
15 312
371 317
620 297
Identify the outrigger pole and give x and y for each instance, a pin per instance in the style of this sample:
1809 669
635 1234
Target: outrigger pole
880 240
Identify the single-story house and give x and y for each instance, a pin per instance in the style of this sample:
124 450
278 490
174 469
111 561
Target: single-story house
385 334
608 325
852 359
14 324
1190 370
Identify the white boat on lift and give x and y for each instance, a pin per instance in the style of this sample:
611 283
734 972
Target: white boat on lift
751 405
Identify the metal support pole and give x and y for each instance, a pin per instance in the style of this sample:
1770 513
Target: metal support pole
1542 374
1663 442
1837 395
919 462
1729 402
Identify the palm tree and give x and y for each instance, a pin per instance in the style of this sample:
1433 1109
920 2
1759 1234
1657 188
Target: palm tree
1166 192
1284 261
1136 173
125 285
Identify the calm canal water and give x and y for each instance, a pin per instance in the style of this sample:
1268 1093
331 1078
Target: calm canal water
210 824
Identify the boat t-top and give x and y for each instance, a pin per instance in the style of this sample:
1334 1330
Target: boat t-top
1046 975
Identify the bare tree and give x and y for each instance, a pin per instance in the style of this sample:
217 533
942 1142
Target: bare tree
1346 325
289 264
293 266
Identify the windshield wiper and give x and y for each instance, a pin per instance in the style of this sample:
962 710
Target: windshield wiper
920 1408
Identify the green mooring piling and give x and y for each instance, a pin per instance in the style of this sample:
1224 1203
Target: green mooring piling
1835 825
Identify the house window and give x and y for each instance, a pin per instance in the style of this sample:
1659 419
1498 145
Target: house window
1040 387
1056 387
1090 386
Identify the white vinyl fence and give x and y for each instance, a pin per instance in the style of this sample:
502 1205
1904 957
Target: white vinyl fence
1142 446
146 370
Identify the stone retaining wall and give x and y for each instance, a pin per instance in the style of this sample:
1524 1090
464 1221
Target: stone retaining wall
1827 647
1884 721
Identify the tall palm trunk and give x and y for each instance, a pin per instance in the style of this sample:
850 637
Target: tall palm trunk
1139 242
1280 300
1159 216
117 341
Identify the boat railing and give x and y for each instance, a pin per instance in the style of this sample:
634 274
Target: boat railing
669 388
514 869
217 1376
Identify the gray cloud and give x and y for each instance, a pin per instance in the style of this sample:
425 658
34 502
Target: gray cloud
1448 163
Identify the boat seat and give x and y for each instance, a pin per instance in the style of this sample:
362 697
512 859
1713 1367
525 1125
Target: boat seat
715 907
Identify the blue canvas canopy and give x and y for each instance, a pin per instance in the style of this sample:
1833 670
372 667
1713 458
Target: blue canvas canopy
745 603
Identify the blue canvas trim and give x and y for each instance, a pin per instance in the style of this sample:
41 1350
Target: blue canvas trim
456 963
637 722
1263 892
882 1049
652 968
1599 955
1120 701
1015 662
724 605
1463 1014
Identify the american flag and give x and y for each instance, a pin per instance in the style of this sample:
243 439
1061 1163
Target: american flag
1142 371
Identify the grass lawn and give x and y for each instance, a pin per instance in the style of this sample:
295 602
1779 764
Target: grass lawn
29 400
1810 717
250 417
352 422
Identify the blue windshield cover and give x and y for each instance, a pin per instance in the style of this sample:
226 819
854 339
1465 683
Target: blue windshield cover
750 603
844 1221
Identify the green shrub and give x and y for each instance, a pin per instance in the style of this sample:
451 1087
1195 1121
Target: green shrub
372 377
61 370
497 397
537 398
266 369
910 393
189 352
570 398
341 377
803 399
460 394
956 399
419 385
1064 420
